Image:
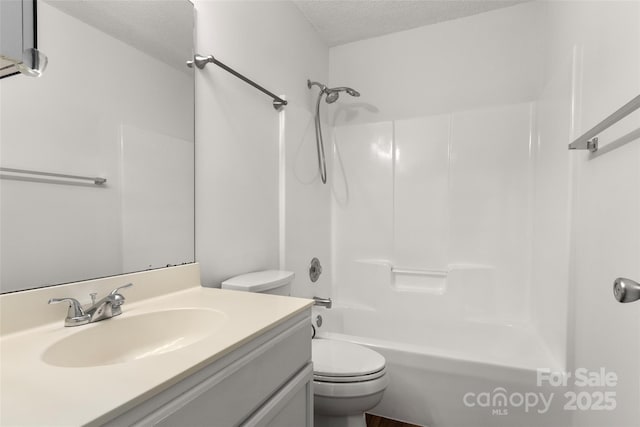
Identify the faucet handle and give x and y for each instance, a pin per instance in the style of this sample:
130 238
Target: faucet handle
75 309
75 315
115 291
117 299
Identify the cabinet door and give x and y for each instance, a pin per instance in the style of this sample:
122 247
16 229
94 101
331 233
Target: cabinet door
291 406
232 394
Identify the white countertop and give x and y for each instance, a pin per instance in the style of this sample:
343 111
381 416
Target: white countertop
33 392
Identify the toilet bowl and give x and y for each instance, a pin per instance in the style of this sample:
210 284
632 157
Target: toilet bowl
348 379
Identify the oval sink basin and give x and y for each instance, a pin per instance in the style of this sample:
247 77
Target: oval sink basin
125 339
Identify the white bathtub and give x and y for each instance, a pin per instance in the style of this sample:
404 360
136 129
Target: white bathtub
453 374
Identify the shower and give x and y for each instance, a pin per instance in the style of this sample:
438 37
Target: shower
332 95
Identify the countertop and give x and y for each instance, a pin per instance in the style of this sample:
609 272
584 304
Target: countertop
33 392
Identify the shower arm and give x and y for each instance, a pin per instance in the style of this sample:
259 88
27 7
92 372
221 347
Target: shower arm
323 88
337 89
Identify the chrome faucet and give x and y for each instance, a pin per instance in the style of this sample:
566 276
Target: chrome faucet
325 302
106 308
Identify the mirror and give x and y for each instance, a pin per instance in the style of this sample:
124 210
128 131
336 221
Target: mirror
115 105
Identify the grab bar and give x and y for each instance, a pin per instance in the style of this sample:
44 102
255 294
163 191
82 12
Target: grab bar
416 272
96 180
588 141
200 61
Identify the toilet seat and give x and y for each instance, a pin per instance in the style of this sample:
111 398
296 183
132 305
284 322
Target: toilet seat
352 379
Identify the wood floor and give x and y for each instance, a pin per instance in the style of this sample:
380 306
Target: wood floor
376 421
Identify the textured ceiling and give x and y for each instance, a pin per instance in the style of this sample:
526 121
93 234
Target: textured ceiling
345 21
160 28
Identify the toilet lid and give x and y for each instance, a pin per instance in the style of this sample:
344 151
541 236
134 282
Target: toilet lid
259 281
333 358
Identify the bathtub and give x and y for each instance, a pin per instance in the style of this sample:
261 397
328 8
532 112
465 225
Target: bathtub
454 373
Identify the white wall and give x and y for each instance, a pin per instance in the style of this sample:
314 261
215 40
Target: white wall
237 154
308 203
551 207
494 58
70 121
593 69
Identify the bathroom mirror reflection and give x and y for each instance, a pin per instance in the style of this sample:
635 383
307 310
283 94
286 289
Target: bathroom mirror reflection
116 102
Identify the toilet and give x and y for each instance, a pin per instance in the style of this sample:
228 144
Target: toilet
348 379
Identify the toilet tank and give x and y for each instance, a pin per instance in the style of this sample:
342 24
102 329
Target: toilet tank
276 282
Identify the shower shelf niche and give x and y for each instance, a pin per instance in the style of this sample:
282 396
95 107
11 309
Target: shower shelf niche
419 280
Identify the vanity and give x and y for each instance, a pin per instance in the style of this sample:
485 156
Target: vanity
179 355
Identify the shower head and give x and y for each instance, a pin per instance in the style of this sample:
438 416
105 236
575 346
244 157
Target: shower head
349 90
334 93
332 97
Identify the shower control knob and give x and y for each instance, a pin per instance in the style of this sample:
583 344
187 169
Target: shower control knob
315 270
626 290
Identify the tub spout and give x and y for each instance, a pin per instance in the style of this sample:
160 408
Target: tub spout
325 302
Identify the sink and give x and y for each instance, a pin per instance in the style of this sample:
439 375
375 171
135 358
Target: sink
125 339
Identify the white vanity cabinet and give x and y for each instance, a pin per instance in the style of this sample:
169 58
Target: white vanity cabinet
266 381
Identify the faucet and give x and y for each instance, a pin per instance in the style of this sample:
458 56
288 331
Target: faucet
105 308
325 302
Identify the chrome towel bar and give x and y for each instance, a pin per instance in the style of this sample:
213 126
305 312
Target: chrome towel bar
96 180
201 61
588 140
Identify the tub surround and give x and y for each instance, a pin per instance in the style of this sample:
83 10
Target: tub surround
37 393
